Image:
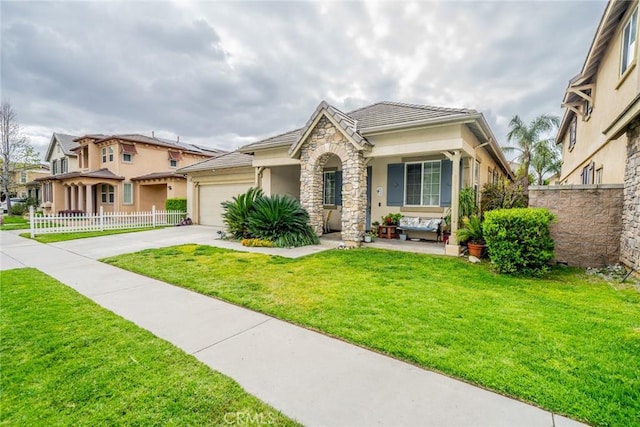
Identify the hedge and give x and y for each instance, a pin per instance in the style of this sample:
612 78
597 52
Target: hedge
518 240
177 204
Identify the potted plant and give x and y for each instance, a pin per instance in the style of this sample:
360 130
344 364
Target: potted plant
471 232
370 237
391 219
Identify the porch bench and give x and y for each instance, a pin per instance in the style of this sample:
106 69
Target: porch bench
414 223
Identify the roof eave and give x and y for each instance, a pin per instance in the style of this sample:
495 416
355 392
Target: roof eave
458 118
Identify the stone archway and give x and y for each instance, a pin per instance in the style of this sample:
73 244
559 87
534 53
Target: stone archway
326 140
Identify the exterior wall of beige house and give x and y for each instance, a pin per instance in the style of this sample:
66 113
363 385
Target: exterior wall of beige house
600 130
593 146
121 173
353 175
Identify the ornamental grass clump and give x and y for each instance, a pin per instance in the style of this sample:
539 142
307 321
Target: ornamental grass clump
518 240
279 220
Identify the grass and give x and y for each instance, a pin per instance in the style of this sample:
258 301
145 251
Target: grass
63 237
67 361
568 343
14 223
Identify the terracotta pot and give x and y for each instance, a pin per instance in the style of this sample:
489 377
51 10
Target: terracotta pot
476 249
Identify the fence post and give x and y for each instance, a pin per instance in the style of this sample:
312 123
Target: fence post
31 221
153 216
101 218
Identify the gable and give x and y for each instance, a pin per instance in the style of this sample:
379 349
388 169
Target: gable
343 124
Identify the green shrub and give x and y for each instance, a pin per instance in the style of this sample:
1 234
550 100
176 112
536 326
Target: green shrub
503 195
467 205
177 204
518 240
236 212
282 220
19 209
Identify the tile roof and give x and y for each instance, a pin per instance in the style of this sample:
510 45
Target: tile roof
103 173
381 114
162 142
158 175
66 142
224 161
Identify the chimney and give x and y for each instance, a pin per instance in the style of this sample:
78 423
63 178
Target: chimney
153 134
178 138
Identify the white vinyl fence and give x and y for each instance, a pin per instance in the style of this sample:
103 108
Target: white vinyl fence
46 224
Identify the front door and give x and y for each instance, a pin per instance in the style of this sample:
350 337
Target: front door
367 224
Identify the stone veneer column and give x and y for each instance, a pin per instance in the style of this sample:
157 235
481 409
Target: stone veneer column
630 239
326 140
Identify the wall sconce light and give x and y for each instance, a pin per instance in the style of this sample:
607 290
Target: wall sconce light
170 188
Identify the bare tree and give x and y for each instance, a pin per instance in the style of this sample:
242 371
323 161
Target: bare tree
15 150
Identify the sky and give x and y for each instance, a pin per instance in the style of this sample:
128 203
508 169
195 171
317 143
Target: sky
225 74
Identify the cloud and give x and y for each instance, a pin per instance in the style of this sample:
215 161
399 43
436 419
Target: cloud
227 73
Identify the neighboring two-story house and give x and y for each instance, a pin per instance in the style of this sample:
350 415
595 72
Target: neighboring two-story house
602 101
600 130
24 179
122 173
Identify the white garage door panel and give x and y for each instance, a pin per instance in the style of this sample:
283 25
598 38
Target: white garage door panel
211 196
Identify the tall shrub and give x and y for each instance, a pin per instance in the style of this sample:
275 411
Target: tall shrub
518 240
503 194
176 204
281 220
236 212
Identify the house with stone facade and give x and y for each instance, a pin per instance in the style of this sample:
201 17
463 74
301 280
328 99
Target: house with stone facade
360 165
600 137
120 173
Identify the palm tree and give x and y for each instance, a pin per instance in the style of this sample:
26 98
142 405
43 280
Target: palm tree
527 138
546 159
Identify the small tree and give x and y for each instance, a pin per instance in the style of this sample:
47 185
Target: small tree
546 159
15 151
526 138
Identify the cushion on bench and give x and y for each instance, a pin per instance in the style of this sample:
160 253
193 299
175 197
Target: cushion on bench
419 224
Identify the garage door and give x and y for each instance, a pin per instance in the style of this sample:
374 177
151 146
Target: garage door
211 196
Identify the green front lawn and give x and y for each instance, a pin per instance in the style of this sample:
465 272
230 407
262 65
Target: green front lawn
568 343
67 361
14 223
63 237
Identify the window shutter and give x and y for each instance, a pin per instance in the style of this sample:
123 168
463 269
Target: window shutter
338 188
395 184
445 183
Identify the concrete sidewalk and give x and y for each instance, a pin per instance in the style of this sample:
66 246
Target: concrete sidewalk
308 376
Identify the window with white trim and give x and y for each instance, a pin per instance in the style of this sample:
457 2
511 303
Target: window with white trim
107 154
572 133
329 188
598 179
63 165
107 193
422 183
173 163
629 37
54 167
127 157
127 193
23 177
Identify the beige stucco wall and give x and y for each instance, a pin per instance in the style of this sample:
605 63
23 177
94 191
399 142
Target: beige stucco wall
282 180
611 95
